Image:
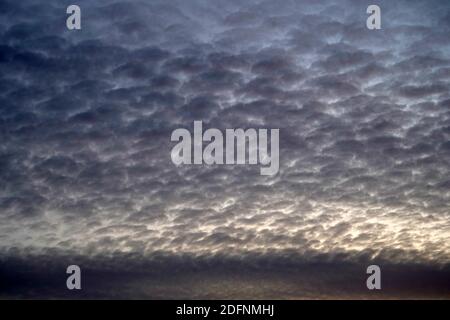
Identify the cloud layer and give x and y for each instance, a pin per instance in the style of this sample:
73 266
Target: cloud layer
364 118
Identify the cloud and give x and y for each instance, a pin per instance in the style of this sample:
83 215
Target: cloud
278 276
86 118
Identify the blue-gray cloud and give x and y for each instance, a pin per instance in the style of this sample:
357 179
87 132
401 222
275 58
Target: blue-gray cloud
364 118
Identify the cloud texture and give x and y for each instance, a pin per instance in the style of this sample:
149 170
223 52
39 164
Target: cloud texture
364 118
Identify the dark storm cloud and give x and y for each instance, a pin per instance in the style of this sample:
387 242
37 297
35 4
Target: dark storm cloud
364 118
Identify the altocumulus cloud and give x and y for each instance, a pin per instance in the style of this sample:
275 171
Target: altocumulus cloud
85 169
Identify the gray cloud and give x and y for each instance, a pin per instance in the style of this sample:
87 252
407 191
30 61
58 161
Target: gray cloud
364 118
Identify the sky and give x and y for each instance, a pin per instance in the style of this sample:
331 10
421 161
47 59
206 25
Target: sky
86 175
